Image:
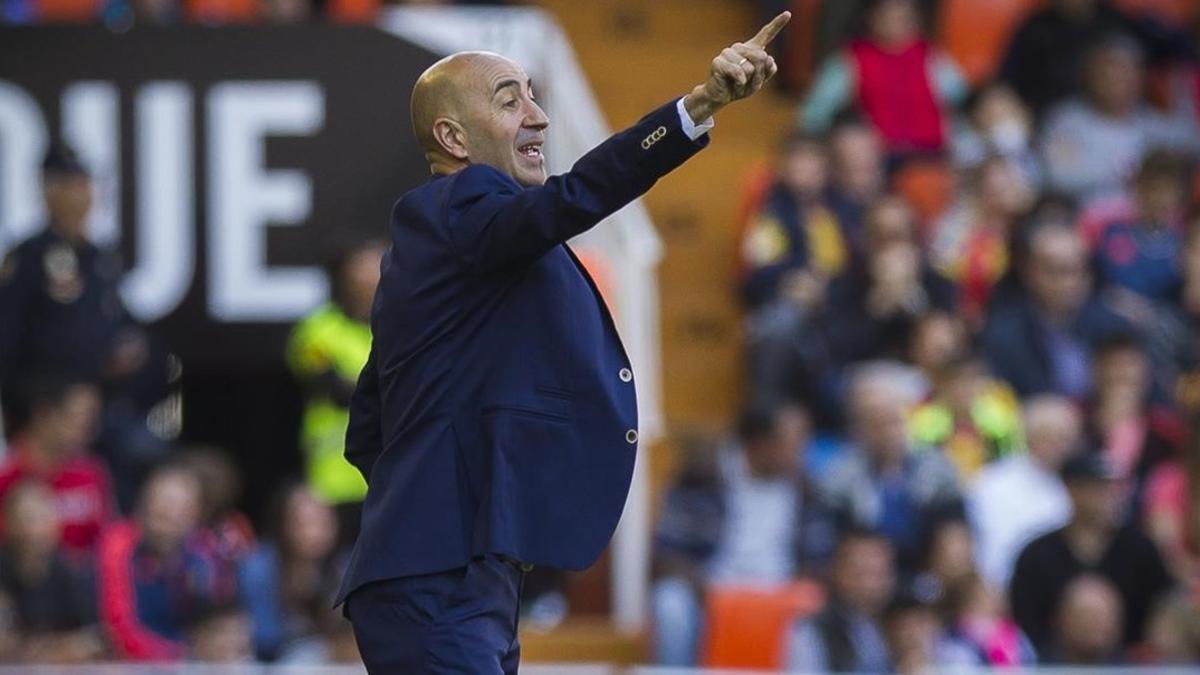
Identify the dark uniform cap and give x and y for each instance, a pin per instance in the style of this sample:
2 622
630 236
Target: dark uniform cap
61 160
1089 466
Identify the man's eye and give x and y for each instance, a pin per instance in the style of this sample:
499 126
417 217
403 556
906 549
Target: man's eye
510 104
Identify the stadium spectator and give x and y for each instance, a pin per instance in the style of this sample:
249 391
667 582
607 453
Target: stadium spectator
745 514
1045 57
870 308
998 124
53 449
1040 340
791 249
289 582
1092 143
948 563
59 304
846 636
225 531
970 243
839 21
1152 274
880 482
1087 624
937 338
1137 243
794 244
53 600
152 579
899 80
980 633
326 351
1021 497
1048 211
917 642
1134 431
1093 542
858 177
220 634
970 417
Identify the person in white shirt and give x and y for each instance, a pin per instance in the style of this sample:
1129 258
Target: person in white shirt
742 515
1092 144
1020 497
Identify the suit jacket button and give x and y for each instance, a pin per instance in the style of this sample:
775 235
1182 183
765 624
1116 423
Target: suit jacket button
626 375
631 436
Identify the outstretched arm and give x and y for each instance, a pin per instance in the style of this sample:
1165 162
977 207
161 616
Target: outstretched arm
495 223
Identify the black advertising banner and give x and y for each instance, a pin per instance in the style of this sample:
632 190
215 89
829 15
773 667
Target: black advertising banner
230 163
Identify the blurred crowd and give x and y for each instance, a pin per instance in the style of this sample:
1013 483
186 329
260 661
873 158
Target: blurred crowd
124 14
116 541
972 323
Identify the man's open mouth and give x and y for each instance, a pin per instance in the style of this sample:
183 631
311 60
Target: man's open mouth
531 150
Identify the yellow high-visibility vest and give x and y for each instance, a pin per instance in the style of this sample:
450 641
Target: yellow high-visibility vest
328 340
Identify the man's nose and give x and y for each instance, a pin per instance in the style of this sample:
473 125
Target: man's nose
536 118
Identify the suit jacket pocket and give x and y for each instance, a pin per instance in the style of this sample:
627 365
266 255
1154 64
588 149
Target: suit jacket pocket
533 478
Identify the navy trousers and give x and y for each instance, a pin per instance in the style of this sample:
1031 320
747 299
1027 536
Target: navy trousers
461 622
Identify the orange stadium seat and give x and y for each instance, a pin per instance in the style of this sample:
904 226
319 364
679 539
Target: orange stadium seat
928 185
976 32
747 626
1179 13
67 11
352 11
221 11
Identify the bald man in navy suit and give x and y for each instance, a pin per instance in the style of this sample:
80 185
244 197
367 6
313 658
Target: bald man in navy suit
495 421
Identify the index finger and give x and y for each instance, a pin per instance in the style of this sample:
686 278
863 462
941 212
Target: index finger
769 31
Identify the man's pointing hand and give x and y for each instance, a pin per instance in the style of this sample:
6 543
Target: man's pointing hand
738 71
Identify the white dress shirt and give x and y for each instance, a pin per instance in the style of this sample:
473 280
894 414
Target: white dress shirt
690 128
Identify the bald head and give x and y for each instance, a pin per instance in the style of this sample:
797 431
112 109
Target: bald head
478 108
440 91
1053 430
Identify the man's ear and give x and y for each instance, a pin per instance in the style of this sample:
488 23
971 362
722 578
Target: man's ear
451 137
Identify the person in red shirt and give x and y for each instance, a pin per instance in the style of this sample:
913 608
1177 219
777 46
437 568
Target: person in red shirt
52 449
156 574
903 83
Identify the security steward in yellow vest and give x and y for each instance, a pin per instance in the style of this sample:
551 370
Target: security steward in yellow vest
326 351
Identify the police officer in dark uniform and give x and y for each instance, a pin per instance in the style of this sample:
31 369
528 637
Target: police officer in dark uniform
60 309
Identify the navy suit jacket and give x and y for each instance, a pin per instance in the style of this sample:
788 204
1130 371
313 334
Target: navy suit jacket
497 413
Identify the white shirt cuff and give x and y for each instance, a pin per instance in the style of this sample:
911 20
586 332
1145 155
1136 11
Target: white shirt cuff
690 128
